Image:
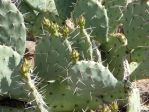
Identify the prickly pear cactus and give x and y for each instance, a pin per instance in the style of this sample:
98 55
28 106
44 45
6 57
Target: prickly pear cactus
44 5
115 50
64 8
135 20
13 31
62 99
9 75
81 41
9 109
134 17
61 69
53 57
91 77
115 12
12 40
60 8
28 14
140 63
70 67
96 17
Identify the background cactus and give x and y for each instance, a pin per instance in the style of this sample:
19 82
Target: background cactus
96 17
74 76
115 12
114 52
54 8
29 16
13 32
12 48
12 39
135 51
8 109
137 41
9 77
134 15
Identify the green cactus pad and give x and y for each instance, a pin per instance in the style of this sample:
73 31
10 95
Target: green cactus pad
43 5
61 95
28 14
96 17
115 12
140 64
82 43
136 30
9 75
139 70
12 28
93 78
10 109
52 57
64 8
61 99
136 24
60 8
115 51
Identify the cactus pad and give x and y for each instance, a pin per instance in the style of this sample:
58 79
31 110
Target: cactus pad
52 57
9 75
96 17
12 28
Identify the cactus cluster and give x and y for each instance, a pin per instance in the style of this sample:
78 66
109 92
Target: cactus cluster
86 56
12 47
